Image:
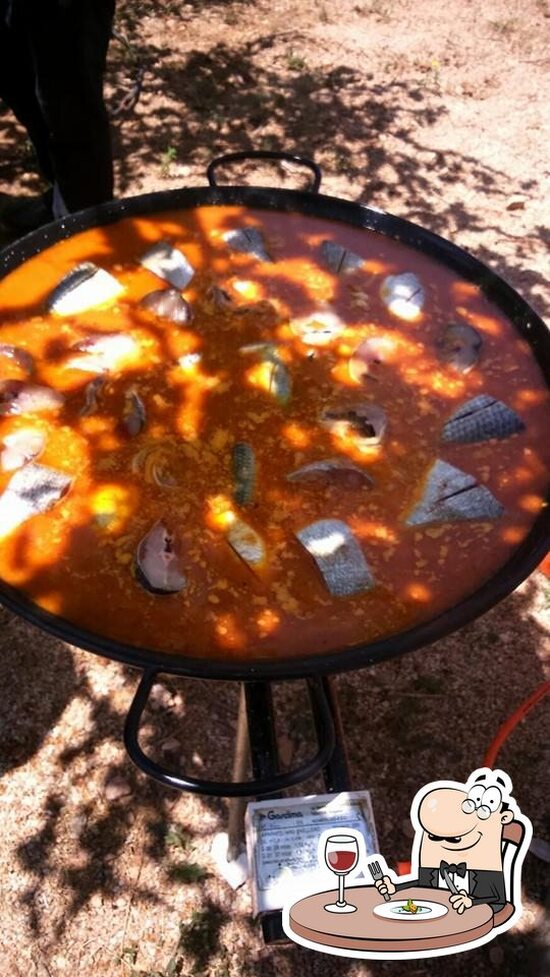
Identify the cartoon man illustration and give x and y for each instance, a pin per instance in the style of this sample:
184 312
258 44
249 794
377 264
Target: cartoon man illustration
461 842
469 844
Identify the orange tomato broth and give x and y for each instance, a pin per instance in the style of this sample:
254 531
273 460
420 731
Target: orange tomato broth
81 566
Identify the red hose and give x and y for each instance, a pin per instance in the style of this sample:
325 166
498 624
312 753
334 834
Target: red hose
512 721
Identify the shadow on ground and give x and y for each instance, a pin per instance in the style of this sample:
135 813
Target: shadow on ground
425 716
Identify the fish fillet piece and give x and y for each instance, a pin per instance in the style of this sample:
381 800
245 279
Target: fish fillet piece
451 495
369 356
33 489
20 447
167 303
83 288
247 543
168 263
158 561
17 397
338 556
403 295
329 471
339 259
459 345
102 353
480 419
247 240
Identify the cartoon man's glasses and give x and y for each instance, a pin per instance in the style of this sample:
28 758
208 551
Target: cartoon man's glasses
483 800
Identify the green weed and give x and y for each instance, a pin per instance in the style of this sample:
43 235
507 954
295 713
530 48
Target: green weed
168 157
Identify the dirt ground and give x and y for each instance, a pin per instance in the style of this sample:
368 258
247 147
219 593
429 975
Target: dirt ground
433 111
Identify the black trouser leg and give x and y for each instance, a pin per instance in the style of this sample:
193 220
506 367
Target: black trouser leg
18 91
69 42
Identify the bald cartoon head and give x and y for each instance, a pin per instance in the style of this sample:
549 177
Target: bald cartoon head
465 824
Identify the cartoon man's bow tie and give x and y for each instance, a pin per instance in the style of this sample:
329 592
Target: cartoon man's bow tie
457 869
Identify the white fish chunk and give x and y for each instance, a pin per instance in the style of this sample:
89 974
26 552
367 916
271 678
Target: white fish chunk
20 447
32 490
451 495
338 556
17 397
319 328
85 287
369 356
168 263
103 352
403 295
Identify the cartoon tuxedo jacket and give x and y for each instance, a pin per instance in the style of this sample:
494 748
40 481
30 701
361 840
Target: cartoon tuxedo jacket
484 886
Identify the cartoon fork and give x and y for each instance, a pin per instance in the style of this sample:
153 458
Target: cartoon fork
377 875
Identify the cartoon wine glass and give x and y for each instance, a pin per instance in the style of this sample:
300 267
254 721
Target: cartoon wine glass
341 856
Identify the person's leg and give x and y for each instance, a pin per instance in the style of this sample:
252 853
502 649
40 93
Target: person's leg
18 87
69 41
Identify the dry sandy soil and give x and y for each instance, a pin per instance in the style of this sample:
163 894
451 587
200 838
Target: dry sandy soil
434 111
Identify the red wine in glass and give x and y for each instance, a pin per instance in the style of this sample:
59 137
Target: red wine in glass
341 856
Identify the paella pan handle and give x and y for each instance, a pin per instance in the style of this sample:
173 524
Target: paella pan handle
265 154
260 787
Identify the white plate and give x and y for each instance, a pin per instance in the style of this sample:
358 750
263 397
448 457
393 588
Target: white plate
394 910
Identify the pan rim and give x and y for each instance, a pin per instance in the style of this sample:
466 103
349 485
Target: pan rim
523 318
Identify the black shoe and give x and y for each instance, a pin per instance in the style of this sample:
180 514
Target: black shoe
21 215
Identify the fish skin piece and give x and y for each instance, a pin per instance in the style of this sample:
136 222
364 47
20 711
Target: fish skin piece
134 412
338 471
403 295
17 397
22 446
451 495
92 391
338 259
167 303
459 345
20 356
481 419
247 240
244 472
83 288
247 543
280 380
32 490
338 556
158 562
168 263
